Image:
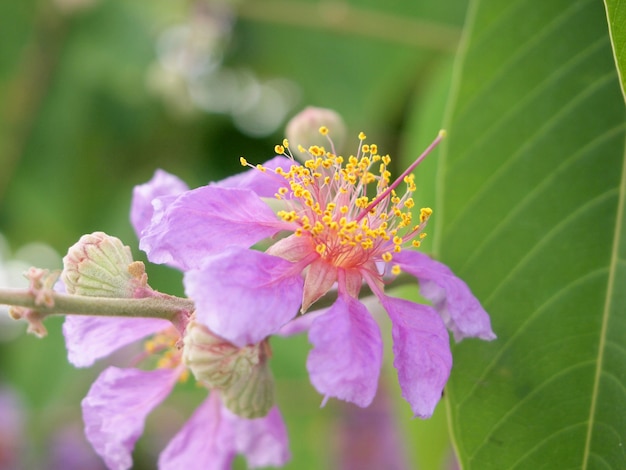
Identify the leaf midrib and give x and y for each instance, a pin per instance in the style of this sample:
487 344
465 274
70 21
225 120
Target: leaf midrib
606 311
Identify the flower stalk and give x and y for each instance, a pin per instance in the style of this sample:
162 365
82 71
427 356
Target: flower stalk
165 307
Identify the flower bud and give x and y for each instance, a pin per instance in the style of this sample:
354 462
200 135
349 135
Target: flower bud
242 374
304 129
214 361
253 396
99 265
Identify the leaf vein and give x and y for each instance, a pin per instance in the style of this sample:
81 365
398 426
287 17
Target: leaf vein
529 396
543 129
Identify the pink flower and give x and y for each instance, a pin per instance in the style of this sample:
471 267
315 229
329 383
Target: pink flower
118 402
334 221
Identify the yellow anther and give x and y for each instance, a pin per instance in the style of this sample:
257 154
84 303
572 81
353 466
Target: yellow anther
324 130
288 216
285 143
423 235
362 202
409 203
317 228
362 136
397 240
261 168
343 209
373 148
184 376
395 270
416 243
282 191
367 244
386 159
243 161
387 257
365 148
279 149
425 213
298 232
321 249
397 248
316 151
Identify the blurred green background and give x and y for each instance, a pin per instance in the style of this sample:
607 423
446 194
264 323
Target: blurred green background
97 94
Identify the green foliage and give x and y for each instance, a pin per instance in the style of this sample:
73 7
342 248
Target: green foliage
528 194
532 191
616 16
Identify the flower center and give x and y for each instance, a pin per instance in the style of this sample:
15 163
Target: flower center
165 347
349 207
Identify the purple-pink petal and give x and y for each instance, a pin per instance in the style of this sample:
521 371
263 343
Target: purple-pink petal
90 338
301 323
203 222
263 441
263 183
460 309
245 295
205 442
213 436
347 352
422 354
116 407
161 184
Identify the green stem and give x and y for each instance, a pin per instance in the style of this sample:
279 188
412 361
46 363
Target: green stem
164 306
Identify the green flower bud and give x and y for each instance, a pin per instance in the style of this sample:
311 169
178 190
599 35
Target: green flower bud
214 361
242 374
253 396
99 265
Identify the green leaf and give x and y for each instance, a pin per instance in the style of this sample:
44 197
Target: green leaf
531 215
616 17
